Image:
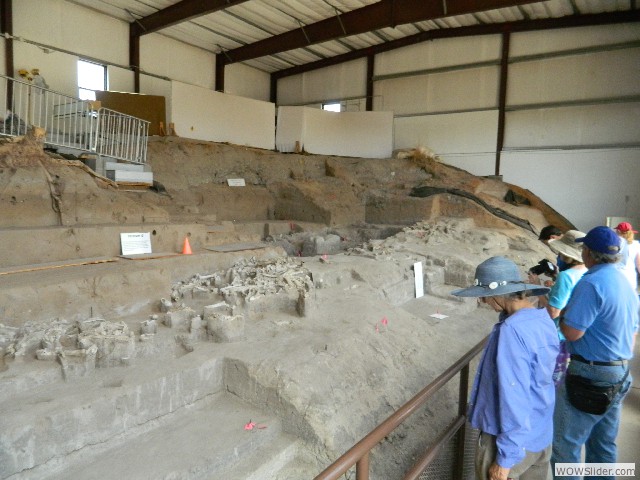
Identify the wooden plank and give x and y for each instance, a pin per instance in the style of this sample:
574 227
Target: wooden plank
134 187
236 247
149 256
52 265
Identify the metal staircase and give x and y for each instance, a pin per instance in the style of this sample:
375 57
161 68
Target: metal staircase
111 143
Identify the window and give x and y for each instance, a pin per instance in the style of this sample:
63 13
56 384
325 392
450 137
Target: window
91 77
332 107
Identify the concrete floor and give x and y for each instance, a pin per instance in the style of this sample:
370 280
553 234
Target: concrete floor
629 436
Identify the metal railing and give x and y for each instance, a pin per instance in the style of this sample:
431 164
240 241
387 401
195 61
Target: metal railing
358 455
70 122
121 136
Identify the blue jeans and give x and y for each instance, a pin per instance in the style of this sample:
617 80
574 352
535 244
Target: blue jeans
574 428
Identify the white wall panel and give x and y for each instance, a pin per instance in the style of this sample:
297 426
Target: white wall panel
332 83
610 124
203 114
602 182
120 79
532 43
73 28
167 57
439 53
88 33
350 134
247 82
448 134
586 186
290 128
480 164
290 91
58 69
578 77
461 89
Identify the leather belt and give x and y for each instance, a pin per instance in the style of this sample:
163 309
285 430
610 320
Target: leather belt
614 363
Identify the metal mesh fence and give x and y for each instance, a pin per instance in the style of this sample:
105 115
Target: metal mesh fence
442 467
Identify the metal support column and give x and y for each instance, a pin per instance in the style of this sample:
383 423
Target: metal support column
134 56
370 71
502 97
220 64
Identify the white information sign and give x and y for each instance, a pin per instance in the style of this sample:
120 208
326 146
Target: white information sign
419 279
235 182
135 243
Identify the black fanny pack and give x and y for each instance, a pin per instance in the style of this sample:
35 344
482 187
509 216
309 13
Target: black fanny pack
590 398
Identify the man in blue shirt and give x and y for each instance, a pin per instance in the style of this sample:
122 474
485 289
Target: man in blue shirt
513 394
600 323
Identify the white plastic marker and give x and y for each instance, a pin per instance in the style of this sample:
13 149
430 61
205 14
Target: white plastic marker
418 279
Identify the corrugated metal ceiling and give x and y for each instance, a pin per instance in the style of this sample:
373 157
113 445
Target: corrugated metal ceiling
244 23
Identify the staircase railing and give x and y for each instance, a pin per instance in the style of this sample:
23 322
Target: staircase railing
121 136
358 455
71 123
68 121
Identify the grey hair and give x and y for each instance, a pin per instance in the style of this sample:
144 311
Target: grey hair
605 257
517 295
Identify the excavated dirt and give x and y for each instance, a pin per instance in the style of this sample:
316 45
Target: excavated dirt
331 340
38 189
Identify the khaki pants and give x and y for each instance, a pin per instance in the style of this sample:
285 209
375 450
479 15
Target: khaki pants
534 466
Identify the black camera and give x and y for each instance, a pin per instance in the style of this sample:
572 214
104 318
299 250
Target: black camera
544 267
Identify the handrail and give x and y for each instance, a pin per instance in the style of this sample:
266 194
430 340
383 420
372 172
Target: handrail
121 136
358 455
71 123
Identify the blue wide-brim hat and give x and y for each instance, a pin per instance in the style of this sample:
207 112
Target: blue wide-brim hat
498 276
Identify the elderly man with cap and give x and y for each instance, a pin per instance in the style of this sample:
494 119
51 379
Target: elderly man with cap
513 395
599 322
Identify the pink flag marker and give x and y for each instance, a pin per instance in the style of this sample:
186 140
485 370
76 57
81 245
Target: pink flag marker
249 426
384 321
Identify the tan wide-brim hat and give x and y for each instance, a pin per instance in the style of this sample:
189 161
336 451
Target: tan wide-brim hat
567 245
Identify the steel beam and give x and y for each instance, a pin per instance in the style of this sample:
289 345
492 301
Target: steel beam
486 29
177 13
383 14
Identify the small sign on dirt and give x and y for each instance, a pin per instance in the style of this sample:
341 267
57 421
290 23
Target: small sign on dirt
235 182
135 243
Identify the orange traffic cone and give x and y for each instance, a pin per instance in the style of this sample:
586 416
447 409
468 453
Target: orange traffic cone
186 249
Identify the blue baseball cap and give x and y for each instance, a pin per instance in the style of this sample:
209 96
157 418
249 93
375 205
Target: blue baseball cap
602 239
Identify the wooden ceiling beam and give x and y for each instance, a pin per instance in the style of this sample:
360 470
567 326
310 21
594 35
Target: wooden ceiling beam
177 13
383 14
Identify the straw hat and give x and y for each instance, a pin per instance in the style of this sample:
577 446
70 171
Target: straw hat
567 245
